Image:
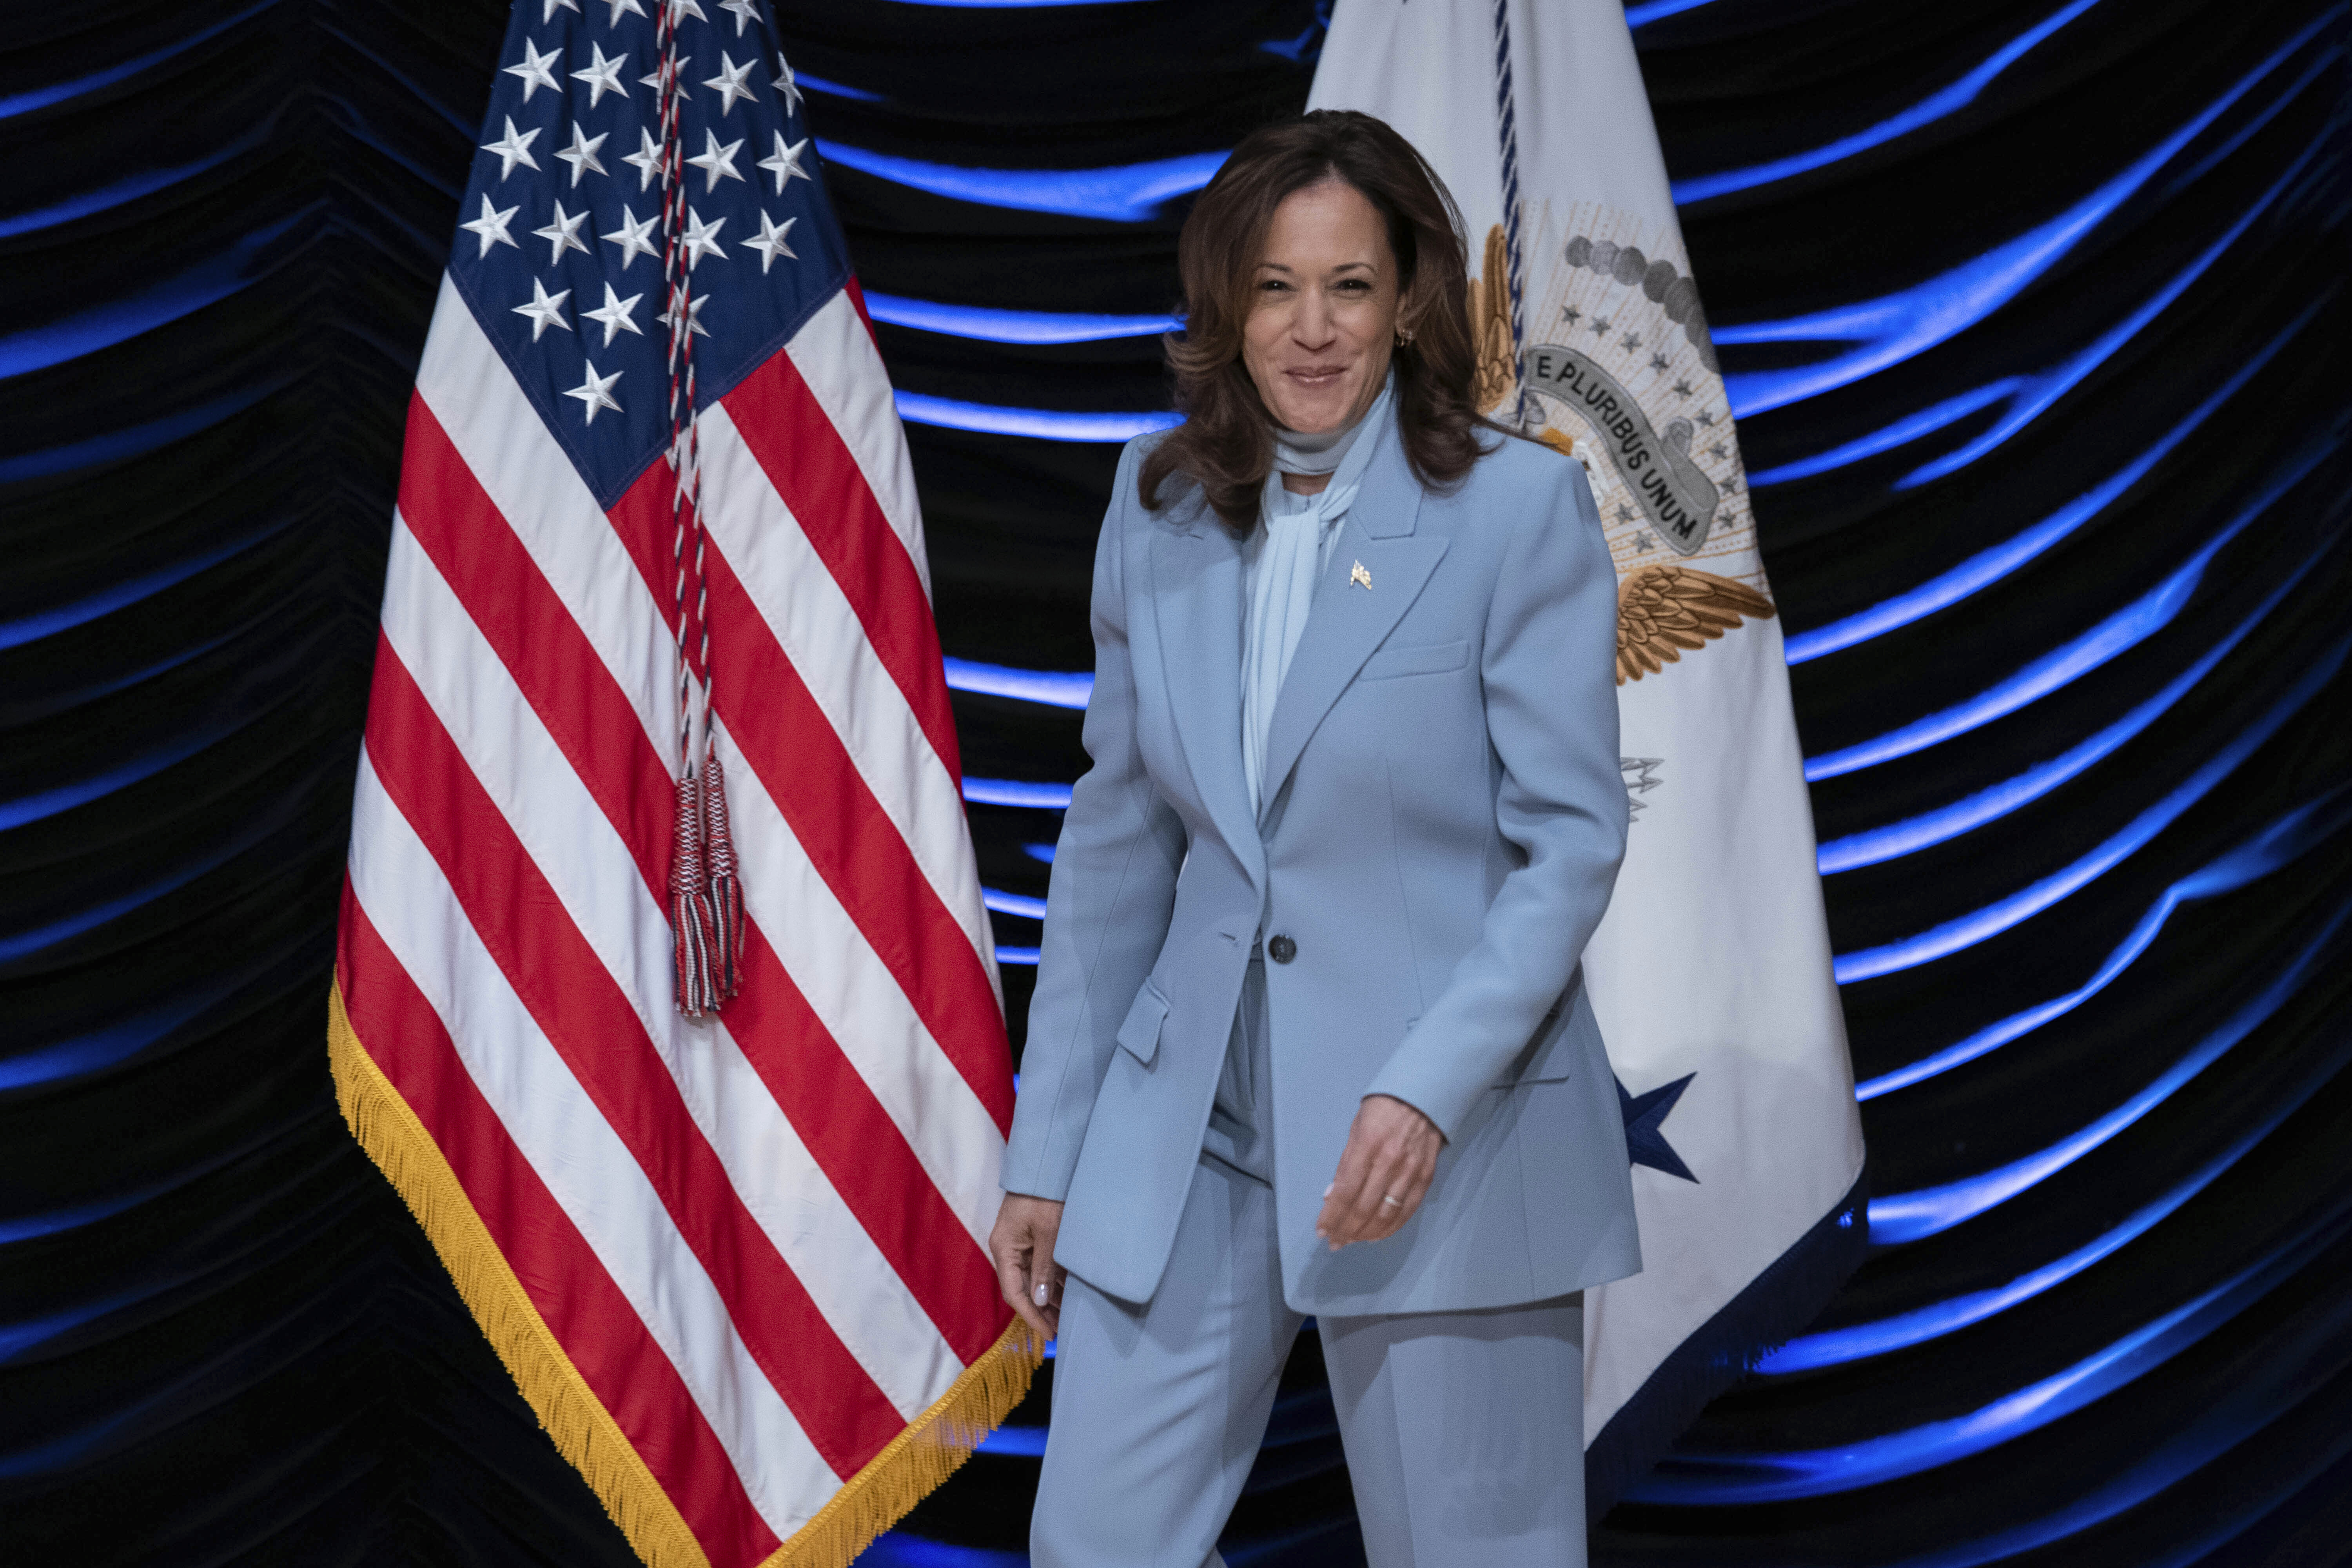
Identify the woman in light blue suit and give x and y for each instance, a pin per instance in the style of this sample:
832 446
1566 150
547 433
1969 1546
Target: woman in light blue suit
1309 1035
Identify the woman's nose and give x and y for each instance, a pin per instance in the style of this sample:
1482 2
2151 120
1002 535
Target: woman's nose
1312 325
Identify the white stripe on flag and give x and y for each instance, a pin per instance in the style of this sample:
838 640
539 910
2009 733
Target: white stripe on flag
858 1001
845 373
596 879
587 1168
815 622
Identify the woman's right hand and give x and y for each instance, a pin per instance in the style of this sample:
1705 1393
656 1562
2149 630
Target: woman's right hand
1022 1246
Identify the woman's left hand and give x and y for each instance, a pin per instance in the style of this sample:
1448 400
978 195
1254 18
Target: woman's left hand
1391 1154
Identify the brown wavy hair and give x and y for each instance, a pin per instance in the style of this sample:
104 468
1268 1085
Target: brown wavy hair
1226 442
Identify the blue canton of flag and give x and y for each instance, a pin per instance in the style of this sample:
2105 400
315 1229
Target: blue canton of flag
561 243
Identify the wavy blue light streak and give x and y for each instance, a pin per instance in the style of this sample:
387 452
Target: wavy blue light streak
1054 688
1044 424
1886 438
1039 852
992 325
213 280
1016 955
1895 327
1978 925
1648 11
1726 1479
116 446
1021 904
900 1550
837 90
1989 566
1125 193
1858 1341
104 1047
60 93
1935 106
1026 1442
1900 1218
1017 792
45 802
2120 632
130 188
2039 392
48 623
2278 844
1912 834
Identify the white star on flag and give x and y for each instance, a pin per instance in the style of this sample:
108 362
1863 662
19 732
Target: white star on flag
545 310
582 153
771 242
534 72
635 236
745 12
729 83
786 84
702 239
614 314
601 74
492 227
786 163
622 8
562 234
679 10
647 159
595 391
693 315
513 148
553 6
716 162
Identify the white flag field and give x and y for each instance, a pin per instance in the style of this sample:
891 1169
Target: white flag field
1711 972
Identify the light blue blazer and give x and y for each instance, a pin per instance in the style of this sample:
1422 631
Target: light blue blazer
1444 814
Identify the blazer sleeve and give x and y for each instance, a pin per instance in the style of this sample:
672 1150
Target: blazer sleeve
1550 676
1108 901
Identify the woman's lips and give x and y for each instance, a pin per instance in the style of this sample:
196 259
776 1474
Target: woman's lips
1319 375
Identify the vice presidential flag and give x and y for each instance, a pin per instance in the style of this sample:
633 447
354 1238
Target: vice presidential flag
656 514
1711 972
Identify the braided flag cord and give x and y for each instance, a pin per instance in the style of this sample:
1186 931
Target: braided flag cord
737 1263
1507 119
706 899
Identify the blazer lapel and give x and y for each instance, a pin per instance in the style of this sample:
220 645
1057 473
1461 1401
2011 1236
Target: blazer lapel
1196 601
1349 618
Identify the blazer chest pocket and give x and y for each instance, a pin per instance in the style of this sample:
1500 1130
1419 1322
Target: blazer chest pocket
1426 659
1139 1036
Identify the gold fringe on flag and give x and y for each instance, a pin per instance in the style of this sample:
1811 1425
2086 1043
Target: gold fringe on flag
931 1448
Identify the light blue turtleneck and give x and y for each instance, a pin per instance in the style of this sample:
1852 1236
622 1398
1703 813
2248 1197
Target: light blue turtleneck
1285 554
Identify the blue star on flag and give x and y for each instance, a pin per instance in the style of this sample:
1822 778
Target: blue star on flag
1645 1140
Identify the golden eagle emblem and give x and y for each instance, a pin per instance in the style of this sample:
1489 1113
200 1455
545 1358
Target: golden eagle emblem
1663 610
1490 325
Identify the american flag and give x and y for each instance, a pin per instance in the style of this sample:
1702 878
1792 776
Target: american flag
737 1262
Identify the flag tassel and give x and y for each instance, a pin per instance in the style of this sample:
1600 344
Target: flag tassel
693 929
726 889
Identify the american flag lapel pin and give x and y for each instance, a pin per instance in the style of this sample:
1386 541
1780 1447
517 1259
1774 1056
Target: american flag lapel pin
1360 578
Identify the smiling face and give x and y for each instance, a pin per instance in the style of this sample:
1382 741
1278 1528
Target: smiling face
1323 309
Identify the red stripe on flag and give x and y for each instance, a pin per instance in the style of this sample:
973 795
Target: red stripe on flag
847 836
599 1329
865 1156
811 467
577 1005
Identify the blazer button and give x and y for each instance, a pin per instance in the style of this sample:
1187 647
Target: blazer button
1282 950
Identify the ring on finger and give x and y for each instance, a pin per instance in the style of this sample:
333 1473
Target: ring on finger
1391 1201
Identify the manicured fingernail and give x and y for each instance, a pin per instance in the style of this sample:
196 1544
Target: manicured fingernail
1327 1192
1040 1294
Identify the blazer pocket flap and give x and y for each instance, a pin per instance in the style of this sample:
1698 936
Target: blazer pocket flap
1549 1056
1139 1036
1427 658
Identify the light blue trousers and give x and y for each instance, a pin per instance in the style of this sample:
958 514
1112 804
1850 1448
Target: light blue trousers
1463 1431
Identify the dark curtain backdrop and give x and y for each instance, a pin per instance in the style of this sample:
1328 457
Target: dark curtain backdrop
2093 487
